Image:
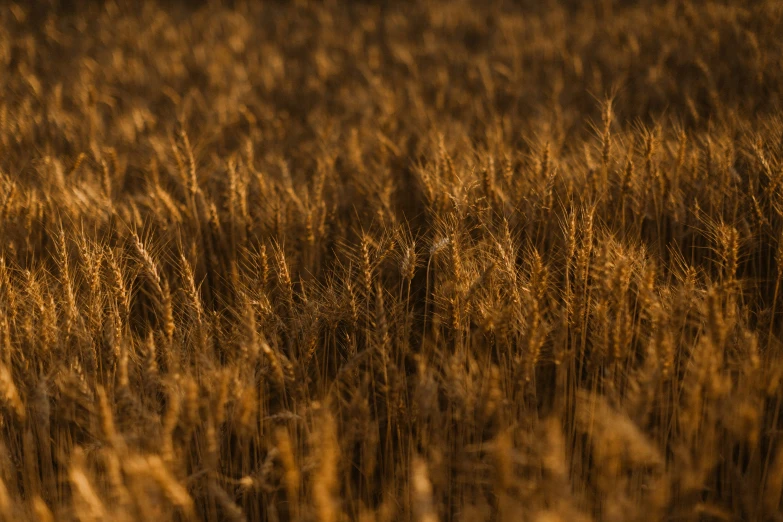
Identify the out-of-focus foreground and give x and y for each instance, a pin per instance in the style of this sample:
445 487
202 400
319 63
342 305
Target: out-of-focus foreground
440 260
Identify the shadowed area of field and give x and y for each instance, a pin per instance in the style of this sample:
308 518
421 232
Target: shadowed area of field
377 261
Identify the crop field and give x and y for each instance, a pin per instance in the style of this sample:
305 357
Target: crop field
445 260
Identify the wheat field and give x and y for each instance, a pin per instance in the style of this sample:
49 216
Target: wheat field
387 261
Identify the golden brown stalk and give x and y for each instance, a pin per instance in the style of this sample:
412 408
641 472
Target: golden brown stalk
89 504
324 480
606 136
153 467
423 506
291 476
7 507
773 483
107 419
170 420
41 510
230 509
10 394
775 295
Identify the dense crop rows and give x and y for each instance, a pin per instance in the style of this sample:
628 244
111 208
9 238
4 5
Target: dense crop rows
444 260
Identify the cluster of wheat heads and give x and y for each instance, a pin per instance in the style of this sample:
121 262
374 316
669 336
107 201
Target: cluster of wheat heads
318 262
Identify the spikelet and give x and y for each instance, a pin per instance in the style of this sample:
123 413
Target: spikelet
381 323
194 300
151 363
284 275
628 176
80 159
66 281
192 176
273 359
149 265
352 302
167 311
409 262
107 419
119 285
456 257
265 273
366 266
